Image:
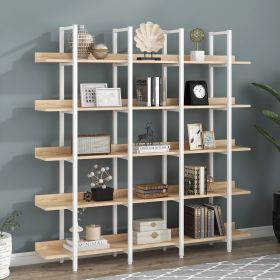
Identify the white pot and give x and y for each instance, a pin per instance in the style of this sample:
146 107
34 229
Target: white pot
5 254
197 55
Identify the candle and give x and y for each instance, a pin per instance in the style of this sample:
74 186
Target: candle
93 232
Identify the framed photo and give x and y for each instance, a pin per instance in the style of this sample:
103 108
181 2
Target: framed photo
195 136
208 140
88 93
108 97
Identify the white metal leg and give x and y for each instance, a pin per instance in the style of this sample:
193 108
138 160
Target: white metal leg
61 135
211 111
181 143
229 140
115 135
75 148
130 143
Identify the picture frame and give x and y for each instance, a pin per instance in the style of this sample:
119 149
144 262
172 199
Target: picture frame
208 140
87 93
195 136
108 97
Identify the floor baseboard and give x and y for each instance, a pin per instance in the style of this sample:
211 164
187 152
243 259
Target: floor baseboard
29 258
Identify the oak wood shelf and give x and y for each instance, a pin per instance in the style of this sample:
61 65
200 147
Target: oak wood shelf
56 57
52 250
51 202
171 104
120 151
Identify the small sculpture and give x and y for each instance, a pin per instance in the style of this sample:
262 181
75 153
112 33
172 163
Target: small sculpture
197 36
149 39
99 179
80 229
148 138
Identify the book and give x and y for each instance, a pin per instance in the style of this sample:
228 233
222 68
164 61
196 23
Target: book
151 191
162 94
210 231
219 226
192 223
151 186
195 179
143 91
84 245
152 195
155 148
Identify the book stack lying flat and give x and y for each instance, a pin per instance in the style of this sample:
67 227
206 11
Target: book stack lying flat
195 180
149 92
151 190
84 245
153 148
146 231
203 221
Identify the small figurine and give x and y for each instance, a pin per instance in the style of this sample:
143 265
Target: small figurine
148 138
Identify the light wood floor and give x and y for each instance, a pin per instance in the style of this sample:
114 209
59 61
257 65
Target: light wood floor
143 261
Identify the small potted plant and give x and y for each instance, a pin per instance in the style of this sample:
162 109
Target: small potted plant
9 224
197 36
99 179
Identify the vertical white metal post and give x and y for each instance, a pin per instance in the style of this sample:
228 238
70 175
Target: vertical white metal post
61 133
75 147
181 143
115 133
164 127
229 140
130 143
211 111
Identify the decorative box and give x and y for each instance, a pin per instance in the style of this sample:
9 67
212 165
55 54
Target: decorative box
143 225
94 144
99 194
154 236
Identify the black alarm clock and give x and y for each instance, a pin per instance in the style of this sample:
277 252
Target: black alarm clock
196 93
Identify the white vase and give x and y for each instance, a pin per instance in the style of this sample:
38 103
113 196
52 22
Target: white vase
5 254
197 55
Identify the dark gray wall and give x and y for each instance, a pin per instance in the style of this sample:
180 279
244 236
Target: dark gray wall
32 25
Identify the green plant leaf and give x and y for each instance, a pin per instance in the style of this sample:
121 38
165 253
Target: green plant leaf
269 89
272 116
268 136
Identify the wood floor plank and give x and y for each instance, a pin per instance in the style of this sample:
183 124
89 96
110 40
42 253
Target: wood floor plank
144 261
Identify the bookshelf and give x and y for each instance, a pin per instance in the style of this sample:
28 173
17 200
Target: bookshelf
125 196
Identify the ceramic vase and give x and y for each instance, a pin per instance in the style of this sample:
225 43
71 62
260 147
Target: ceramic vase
5 254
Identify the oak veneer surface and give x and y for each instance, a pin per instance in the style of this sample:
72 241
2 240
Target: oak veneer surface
144 261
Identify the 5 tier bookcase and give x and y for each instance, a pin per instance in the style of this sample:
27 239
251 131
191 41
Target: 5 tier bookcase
123 242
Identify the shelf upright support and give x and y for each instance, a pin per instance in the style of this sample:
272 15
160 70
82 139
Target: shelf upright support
164 126
211 111
130 142
75 147
61 133
115 132
229 140
181 143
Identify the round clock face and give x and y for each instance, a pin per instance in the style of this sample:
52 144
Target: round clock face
199 91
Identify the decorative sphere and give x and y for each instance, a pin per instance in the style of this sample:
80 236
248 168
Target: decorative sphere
100 51
92 184
95 166
110 177
98 172
91 174
100 181
107 168
102 169
197 35
103 186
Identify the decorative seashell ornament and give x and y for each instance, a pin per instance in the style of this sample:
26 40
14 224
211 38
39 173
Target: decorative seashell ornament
149 37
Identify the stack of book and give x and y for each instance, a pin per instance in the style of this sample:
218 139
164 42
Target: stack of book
153 148
195 180
84 245
149 92
202 221
151 190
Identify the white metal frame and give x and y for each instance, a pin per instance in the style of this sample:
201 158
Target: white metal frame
228 66
180 64
129 31
129 64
